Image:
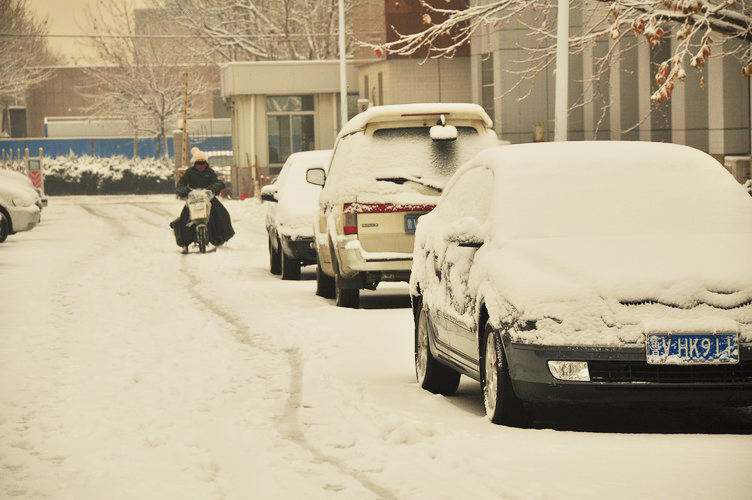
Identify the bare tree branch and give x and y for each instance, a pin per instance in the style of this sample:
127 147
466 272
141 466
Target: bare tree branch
238 30
700 28
24 61
140 80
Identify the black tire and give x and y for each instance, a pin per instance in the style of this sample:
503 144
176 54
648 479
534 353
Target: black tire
290 267
430 374
202 237
275 266
4 227
501 403
345 297
324 282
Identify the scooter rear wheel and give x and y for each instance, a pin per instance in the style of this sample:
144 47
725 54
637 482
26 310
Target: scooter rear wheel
202 237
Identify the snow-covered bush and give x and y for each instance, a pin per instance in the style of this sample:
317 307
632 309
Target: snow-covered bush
748 185
111 175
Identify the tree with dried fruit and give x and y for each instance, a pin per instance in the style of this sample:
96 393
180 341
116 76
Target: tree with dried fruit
700 28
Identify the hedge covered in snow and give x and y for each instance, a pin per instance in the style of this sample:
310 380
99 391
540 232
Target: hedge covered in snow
112 175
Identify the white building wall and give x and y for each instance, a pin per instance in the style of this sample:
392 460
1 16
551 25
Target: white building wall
406 81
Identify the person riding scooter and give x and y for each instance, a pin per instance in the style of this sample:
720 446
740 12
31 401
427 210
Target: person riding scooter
202 176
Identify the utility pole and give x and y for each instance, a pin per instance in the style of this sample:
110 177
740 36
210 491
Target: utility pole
342 73
185 121
561 104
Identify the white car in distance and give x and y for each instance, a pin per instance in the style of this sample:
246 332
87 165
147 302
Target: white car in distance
20 204
291 206
389 166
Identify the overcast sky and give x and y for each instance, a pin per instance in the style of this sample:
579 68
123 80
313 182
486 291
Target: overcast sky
63 16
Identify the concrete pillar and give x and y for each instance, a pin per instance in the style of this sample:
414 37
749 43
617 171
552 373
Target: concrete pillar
644 76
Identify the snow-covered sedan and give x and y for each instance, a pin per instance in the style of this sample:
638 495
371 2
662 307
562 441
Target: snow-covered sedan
291 208
600 272
20 206
389 167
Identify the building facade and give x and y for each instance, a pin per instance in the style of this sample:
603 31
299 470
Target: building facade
389 79
282 107
709 111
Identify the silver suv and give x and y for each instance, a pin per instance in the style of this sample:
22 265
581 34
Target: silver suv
389 166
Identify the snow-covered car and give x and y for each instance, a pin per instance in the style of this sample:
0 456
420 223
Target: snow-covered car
389 167
24 182
21 207
591 272
290 210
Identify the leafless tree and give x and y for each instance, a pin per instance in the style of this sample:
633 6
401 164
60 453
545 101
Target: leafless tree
700 28
25 57
136 78
247 30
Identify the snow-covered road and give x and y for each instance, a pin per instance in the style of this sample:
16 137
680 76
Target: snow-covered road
131 371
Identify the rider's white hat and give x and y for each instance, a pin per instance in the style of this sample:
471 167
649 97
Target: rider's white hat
197 155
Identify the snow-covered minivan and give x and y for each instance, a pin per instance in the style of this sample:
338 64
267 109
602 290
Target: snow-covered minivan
389 166
587 272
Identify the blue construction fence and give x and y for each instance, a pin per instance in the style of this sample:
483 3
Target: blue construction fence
107 147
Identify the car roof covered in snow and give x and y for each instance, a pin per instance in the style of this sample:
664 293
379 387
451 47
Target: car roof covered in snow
398 112
596 187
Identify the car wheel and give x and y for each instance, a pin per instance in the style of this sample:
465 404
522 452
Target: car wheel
324 283
290 267
274 263
431 375
501 403
4 227
345 297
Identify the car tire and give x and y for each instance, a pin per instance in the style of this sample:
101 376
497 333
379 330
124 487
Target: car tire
290 267
345 297
501 403
275 266
431 375
324 283
4 227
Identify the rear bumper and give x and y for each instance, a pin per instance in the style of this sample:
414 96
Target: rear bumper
621 375
354 260
300 249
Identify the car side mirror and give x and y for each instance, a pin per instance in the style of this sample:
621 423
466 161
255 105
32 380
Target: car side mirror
316 176
269 193
466 232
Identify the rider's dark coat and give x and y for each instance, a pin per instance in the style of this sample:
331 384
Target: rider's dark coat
220 226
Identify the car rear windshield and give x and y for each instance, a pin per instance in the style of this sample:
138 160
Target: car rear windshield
403 159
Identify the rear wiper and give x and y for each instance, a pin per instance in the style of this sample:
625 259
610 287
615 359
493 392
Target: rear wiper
416 180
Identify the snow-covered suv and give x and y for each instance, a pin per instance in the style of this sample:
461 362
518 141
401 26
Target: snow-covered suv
389 166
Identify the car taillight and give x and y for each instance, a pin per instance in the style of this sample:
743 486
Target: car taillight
350 223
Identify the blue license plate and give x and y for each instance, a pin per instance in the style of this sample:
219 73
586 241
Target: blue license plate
691 348
411 221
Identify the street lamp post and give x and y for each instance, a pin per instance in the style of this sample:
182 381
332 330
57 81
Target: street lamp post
342 73
562 72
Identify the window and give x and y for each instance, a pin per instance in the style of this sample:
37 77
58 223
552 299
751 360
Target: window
487 84
290 126
352 105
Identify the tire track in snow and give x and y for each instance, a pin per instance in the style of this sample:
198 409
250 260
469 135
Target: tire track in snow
289 422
